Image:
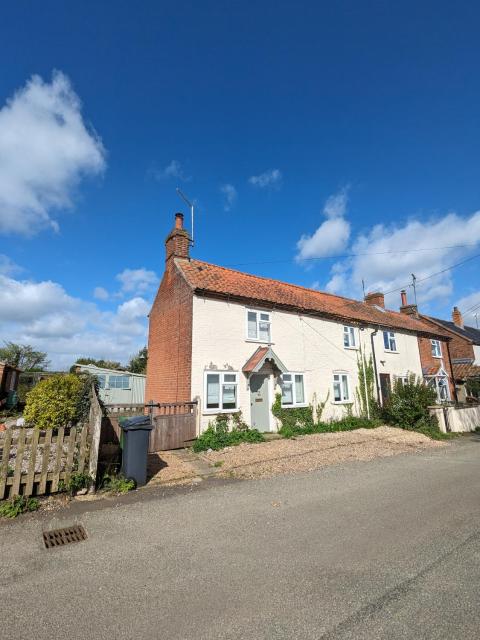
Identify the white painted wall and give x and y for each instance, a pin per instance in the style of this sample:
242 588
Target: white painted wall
460 420
476 351
312 346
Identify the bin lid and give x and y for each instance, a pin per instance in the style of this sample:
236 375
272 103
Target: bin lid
137 423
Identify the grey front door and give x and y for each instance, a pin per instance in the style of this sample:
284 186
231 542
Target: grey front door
260 410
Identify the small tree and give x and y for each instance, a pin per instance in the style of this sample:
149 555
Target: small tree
55 402
409 402
24 357
138 363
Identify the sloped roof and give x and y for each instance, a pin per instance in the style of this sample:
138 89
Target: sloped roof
467 332
464 370
211 279
255 362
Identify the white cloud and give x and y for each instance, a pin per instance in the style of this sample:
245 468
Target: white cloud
137 280
269 178
100 293
379 263
469 306
332 235
173 170
45 150
44 315
7 266
230 195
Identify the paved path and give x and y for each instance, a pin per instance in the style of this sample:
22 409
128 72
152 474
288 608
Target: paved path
382 549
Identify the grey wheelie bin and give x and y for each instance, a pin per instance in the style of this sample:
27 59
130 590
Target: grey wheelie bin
136 433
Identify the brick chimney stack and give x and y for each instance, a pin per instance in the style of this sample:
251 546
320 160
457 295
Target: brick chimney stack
178 240
408 309
457 317
375 298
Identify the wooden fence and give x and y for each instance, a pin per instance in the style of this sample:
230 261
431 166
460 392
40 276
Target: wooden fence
40 459
34 462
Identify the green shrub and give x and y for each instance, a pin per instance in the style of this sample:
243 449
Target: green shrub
117 484
76 482
296 417
408 405
349 423
55 402
13 507
226 430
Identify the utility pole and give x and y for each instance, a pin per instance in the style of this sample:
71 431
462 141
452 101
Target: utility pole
475 315
414 285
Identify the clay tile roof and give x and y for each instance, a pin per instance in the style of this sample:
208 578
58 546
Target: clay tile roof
211 279
252 362
465 370
431 371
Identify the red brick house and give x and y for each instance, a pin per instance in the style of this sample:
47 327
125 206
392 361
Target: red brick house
236 341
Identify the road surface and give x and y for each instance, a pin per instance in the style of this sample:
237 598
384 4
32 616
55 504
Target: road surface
382 549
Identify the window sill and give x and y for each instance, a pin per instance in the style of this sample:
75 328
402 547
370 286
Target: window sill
212 412
389 351
351 348
438 357
258 341
294 406
342 401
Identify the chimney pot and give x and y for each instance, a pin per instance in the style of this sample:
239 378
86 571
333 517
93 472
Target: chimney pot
179 221
403 294
376 298
457 317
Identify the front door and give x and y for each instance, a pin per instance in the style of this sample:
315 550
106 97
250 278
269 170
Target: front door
260 409
385 388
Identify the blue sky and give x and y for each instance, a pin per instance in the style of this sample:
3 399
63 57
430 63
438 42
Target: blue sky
354 126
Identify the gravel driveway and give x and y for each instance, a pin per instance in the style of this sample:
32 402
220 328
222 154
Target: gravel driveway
306 453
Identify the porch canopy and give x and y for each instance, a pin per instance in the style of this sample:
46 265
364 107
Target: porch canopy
259 358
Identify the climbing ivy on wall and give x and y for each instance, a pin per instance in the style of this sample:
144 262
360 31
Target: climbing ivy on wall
366 386
296 416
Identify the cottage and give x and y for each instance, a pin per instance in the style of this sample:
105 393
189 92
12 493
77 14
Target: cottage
235 340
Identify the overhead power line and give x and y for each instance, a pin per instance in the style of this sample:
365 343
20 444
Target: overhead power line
352 255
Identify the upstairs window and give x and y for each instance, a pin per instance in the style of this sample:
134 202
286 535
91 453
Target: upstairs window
436 348
221 391
119 382
389 341
258 326
293 390
341 387
349 338
101 381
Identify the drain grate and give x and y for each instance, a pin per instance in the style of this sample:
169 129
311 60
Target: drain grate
61 537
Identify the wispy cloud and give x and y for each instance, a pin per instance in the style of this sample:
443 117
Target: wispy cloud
272 178
49 150
230 196
173 170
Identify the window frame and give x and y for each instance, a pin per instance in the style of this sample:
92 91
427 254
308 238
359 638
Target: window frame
437 343
340 375
129 380
222 382
294 403
391 337
436 386
258 320
348 332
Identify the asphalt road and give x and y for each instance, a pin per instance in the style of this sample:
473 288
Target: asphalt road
381 549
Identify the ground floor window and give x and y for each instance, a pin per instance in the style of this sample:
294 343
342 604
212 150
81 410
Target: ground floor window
341 387
440 384
293 389
221 390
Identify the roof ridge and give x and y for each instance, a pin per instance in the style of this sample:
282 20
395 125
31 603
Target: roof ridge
296 286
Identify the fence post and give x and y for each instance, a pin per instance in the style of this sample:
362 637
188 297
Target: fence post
95 427
198 413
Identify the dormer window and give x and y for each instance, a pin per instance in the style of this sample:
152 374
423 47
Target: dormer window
436 348
258 326
349 341
389 341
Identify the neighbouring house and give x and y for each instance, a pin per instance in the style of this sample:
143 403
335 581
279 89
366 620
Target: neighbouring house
464 352
234 340
116 386
9 376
